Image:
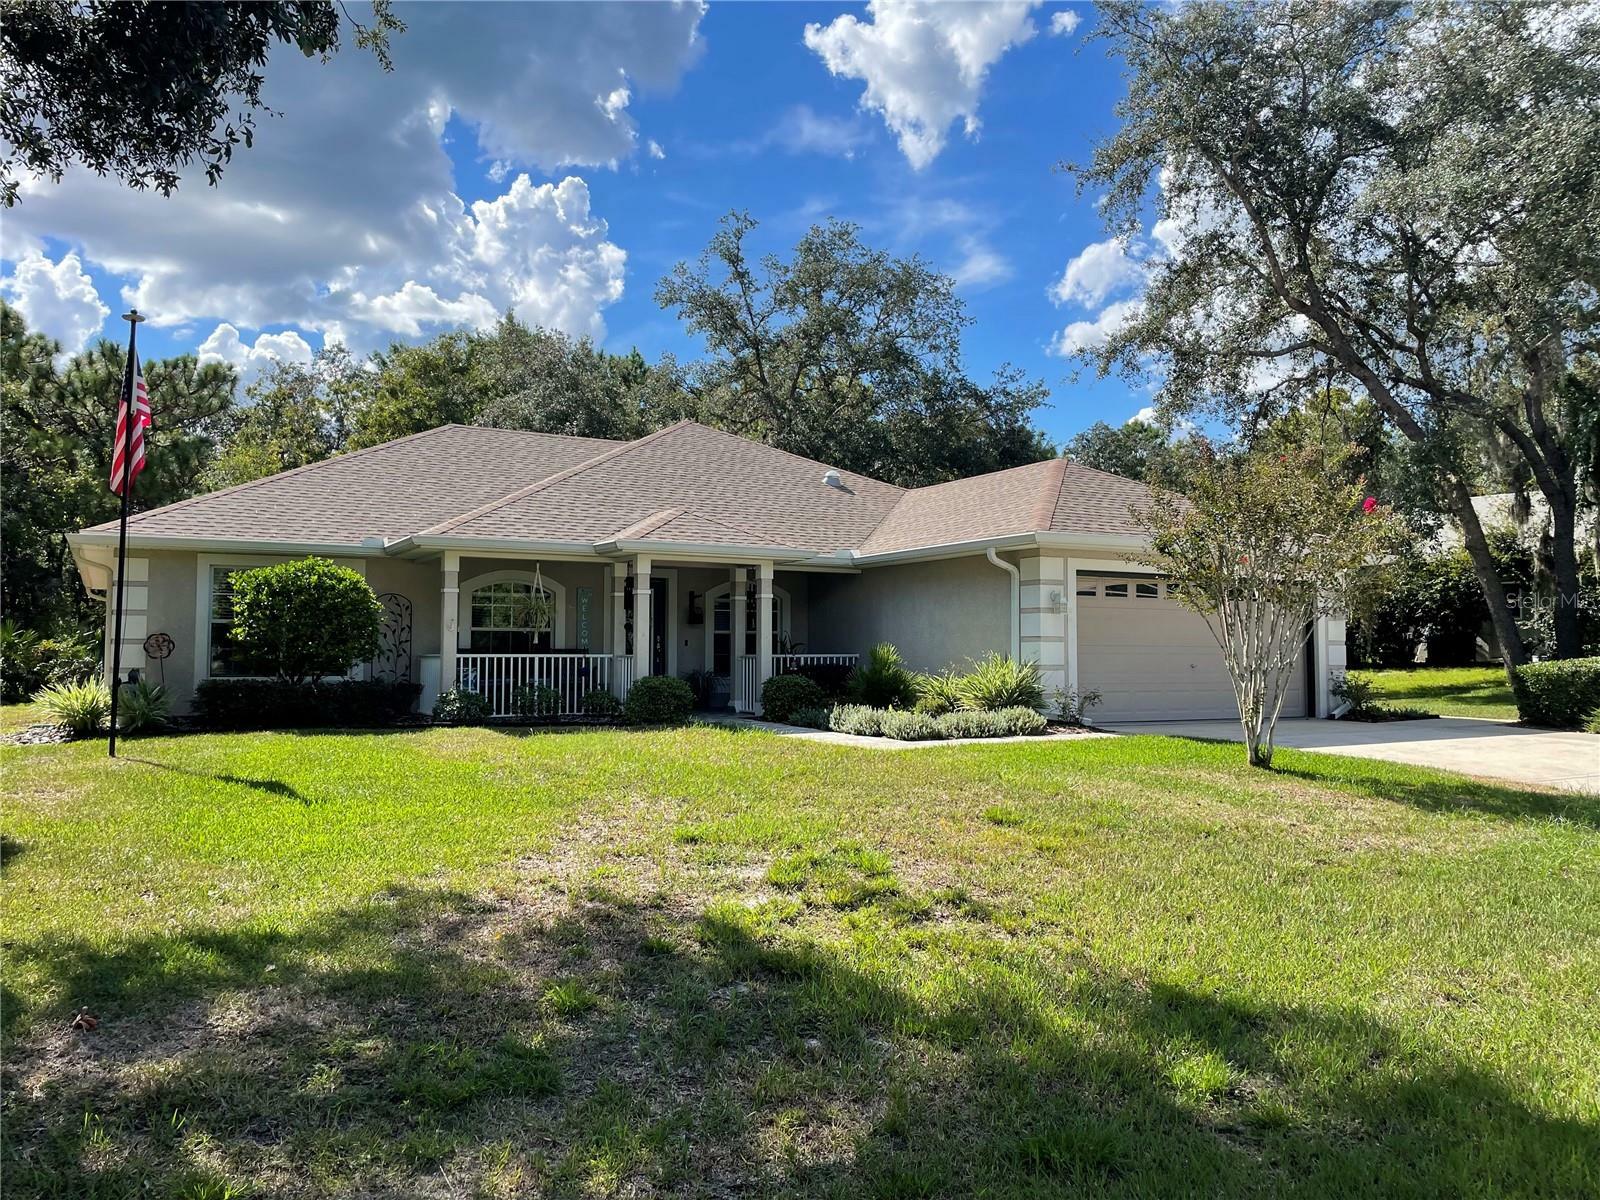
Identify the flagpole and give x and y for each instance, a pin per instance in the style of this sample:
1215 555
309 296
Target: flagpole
133 318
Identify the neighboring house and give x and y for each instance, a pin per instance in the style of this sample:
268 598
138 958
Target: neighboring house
754 560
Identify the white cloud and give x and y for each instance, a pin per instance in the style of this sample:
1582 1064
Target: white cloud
923 62
1064 23
57 299
1081 336
349 196
981 267
225 345
802 130
654 149
1145 416
1098 271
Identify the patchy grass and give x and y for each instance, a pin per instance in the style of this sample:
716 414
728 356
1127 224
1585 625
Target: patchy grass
14 718
476 962
1448 691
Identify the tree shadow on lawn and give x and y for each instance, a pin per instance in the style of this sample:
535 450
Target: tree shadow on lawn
271 787
435 1040
1439 792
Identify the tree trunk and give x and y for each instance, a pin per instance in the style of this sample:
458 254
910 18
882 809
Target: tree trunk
1494 589
1564 568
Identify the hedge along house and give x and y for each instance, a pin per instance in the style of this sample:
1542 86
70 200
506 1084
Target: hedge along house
505 558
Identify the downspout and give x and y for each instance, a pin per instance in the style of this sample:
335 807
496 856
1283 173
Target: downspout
1016 602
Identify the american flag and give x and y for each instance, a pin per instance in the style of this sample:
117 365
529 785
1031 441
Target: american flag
141 425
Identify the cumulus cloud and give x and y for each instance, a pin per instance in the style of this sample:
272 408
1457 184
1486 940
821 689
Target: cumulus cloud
1064 23
923 62
1145 416
1099 270
1082 336
226 346
981 267
57 299
344 217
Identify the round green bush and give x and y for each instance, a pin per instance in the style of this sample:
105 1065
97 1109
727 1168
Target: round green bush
305 619
598 702
658 700
1559 694
860 719
536 700
460 707
908 725
784 695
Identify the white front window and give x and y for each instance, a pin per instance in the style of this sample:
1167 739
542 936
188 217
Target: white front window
510 617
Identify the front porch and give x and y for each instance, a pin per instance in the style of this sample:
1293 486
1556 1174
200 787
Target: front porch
573 626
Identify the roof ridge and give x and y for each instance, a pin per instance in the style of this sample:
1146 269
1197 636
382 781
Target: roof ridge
566 437
617 451
733 525
815 462
647 525
1078 466
1044 512
304 467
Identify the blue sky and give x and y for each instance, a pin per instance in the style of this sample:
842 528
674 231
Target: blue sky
560 159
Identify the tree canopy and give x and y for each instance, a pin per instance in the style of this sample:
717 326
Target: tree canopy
849 354
1399 197
141 90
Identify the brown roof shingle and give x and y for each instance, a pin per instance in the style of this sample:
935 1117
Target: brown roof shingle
388 491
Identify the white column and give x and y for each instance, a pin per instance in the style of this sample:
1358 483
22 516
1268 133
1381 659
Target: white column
738 619
764 628
619 628
641 616
449 613
1072 625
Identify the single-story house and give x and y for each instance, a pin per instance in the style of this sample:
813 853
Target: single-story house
754 561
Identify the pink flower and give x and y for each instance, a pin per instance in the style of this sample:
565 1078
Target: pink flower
1370 503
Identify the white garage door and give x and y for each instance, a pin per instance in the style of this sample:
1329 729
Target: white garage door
1151 659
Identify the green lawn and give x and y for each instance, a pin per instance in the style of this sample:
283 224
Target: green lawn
471 962
1448 691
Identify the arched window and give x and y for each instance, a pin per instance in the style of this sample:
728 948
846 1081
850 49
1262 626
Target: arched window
507 614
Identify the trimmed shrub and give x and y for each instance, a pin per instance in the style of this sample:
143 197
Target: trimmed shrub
537 700
883 680
458 706
938 694
998 681
811 718
832 678
306 619
281 704
598 702
861 719
1021 721
1559 694
909 725
143 707
658 700
784 695
966 723
82 706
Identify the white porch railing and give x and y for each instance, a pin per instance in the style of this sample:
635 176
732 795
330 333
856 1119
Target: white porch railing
496 677
786 664
747 676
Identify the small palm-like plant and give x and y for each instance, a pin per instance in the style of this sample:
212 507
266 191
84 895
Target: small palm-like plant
997 681
143 707
82 706
938 693
883 680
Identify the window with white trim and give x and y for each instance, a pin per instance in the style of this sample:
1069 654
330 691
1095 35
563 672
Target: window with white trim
508 617
225 657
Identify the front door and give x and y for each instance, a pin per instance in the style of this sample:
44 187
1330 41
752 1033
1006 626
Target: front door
658 626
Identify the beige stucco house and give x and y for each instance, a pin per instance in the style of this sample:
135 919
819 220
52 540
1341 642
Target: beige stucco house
754 561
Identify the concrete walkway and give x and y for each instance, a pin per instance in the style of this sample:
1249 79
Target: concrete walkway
1489 749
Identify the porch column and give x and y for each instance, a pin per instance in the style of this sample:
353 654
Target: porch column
619 629
738 618
449 594
641 616
764 628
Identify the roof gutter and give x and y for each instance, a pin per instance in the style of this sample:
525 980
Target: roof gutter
1016 602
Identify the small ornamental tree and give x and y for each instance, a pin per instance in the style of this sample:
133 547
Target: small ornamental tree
305 619
1263 544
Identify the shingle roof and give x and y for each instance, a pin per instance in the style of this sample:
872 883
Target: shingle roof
387 491
1054 495
777 497
687 483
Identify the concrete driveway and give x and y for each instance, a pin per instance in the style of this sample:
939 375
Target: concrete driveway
1489 749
